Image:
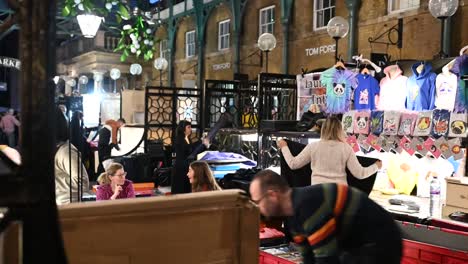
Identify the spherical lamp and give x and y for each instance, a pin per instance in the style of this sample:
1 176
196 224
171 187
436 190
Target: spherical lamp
160 64
337 28
443 9
266 43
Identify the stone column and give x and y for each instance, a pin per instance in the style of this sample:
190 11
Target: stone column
353 7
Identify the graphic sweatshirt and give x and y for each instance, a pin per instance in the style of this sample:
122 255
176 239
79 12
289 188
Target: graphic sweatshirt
393 89
446 91
339 84
421 88
364 94
460 68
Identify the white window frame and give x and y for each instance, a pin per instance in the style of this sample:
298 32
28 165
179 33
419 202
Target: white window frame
224 35
164 49
317 10
392 11
190 45
266 24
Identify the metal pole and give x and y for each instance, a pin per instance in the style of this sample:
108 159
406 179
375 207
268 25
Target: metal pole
266 67
160 78
336 48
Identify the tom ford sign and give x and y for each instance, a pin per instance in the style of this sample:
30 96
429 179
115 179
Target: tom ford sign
10 63
320 50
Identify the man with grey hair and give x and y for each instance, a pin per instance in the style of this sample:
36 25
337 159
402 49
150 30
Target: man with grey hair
8 125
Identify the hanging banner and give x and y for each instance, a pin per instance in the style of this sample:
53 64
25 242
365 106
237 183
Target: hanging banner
10 63
311 94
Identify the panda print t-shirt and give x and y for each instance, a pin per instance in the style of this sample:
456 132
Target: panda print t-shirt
364 94
339 84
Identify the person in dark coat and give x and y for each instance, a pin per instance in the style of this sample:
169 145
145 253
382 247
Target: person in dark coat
185 154
108 140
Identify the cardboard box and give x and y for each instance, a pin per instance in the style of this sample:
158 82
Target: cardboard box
207 227
457 192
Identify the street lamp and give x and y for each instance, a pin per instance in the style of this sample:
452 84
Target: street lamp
89 24
443 9
266 43
115 74
160 64
337 28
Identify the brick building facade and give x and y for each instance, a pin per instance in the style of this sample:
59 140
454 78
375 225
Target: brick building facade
309 46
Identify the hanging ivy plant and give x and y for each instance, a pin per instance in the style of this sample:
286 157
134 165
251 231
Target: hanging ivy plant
137 39
75 7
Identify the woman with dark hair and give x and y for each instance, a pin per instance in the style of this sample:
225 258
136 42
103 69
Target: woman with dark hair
184 149
68 165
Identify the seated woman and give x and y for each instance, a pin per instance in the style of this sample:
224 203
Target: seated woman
113 185
201 178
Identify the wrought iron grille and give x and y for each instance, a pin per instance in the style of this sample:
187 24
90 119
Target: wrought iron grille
242 141
238 98
277 96
165 107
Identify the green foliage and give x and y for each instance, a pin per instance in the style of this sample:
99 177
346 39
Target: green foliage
136 38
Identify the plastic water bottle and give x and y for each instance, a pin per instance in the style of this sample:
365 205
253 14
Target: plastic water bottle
434 192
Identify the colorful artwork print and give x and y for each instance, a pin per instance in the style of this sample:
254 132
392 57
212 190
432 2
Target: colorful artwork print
458 125
407 123
377 119
347 122
391 121
441 118
423 124
361 122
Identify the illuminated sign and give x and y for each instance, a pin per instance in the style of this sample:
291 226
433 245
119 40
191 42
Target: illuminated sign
10 63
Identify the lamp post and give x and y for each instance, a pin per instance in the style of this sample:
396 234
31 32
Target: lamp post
89 24
443 9
160 64
337 28
115 74
266 43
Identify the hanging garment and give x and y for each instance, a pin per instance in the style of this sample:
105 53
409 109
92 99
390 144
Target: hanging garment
392 89
421 88
339 84
446 91
364 94
460 68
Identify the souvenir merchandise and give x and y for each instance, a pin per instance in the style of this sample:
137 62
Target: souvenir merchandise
362 141
417 143
385 144
347 122
352 141
443 146
376 124
361 122
460 68
405 144
423 124
339 84
456 148
365 92
440 119
407 123
458 125
446 90
391 122
374 141
393 90
421 88
430 145
394 143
